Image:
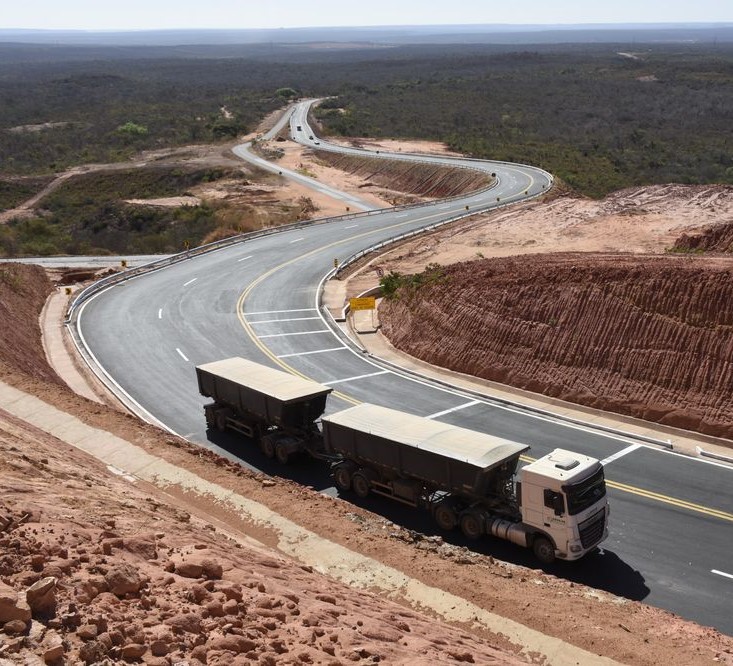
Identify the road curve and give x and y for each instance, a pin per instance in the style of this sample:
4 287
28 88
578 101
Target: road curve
259 299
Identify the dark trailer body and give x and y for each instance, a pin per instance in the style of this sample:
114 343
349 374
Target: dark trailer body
271 406
414 455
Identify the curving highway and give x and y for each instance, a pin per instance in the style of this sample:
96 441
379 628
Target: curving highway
671 516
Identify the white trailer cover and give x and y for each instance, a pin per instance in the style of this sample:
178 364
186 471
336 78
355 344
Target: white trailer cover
468 446
274 383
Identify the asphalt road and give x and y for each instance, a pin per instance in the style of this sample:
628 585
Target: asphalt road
671 516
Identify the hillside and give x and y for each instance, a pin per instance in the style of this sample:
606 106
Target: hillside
648 337
422 180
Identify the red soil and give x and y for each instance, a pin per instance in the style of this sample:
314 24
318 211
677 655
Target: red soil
648 337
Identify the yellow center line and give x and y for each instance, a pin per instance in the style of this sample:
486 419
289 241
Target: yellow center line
682 504
248 290
648 494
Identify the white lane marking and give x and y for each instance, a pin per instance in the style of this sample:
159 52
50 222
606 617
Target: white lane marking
351 226
318 351
620 454
284 335
352 379
249 314
190 282
183 356
402 215
160 313
297 240
721 573
453 409
273 321
244 258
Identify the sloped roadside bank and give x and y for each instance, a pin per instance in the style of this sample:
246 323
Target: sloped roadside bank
648 337
431 181
594 620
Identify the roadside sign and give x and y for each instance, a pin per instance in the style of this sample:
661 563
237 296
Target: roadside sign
363 303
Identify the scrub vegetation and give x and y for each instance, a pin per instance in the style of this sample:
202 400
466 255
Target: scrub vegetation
600 117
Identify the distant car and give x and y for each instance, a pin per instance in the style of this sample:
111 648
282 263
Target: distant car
311 137
318 143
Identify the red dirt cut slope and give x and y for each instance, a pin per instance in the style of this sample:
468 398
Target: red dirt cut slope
651 338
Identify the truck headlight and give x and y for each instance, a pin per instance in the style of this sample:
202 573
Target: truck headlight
575 548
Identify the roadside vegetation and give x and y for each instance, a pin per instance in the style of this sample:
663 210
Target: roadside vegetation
600 117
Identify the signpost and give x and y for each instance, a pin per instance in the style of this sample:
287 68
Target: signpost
363 303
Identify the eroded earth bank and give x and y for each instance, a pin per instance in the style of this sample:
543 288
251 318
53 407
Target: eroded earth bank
648 337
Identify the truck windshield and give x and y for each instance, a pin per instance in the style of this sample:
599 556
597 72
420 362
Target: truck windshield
586 493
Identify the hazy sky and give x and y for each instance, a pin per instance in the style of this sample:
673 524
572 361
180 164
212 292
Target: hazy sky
162 14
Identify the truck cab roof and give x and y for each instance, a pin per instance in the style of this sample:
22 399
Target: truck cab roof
562 466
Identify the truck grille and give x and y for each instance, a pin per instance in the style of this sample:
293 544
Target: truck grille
591 530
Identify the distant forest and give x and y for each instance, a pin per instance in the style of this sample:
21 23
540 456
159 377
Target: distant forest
600 116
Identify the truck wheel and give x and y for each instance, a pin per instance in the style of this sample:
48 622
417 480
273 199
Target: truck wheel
267 446
221 420
445 516
472 525
543 550
360 484
342 478
210 416
282 455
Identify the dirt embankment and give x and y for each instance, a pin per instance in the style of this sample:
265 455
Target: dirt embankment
648 337
23 291
422 180
718 238
96 570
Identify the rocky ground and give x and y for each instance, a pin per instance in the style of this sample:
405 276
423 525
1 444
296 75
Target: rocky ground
96 567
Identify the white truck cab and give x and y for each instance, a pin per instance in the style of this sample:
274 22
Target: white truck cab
563 497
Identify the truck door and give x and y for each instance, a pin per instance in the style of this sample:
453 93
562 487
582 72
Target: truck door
554 516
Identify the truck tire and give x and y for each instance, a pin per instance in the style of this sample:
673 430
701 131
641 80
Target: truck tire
210 414
221 420
267 446
543 550
472 525
282 454
445 516
360 484
342 477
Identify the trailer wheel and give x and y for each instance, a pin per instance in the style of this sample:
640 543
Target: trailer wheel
471 525
360 484
543 550
281 453
221 420
445 516
267 446
210 415
342 477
